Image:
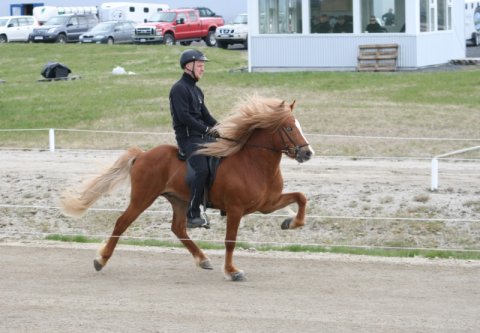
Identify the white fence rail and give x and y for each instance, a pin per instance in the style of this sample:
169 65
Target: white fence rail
434 182
52 143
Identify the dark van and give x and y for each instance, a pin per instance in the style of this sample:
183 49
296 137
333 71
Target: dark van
64 28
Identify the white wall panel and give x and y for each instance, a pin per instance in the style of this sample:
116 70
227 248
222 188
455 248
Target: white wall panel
322 52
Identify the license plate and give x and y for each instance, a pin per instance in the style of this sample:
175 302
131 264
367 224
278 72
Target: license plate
38 37
143 40
87 40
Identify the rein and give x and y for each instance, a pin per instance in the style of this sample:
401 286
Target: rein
250 144
286 150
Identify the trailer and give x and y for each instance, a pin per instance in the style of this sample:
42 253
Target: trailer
472 22
43 13
18 9
132 11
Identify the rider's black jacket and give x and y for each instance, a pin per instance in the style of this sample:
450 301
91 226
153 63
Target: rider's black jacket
189 113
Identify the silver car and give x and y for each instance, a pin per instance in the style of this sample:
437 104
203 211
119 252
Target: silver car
110 32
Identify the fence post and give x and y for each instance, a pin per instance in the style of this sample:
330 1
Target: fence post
51 140
434 182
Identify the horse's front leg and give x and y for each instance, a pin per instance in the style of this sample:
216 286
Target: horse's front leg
233 221
286 199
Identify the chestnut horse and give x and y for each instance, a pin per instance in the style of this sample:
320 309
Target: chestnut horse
253 139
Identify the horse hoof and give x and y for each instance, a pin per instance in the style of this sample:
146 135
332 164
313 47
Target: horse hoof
206 264
286 224
238 276
98 266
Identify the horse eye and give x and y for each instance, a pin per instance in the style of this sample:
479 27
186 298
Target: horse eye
288 129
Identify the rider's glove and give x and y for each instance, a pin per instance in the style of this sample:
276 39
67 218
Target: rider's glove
213 133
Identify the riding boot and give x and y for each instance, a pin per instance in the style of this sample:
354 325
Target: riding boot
197 174
194 218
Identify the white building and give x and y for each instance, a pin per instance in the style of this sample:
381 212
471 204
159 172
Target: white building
287 34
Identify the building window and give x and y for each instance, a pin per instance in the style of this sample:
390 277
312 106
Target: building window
331 16
435 15
280 16
383 16
444 16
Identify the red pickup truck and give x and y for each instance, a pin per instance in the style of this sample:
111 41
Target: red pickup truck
182 25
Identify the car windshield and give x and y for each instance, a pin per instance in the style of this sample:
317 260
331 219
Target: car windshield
241 19
57 20
104 26
3 22
162 17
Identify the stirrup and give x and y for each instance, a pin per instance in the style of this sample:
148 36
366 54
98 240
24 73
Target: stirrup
197 222
203 214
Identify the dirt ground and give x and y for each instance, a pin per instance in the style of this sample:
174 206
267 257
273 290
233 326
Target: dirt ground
351 202
52 287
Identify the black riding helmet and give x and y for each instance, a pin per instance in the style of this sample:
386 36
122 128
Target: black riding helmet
191 55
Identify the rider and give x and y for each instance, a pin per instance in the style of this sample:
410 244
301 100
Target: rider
192 123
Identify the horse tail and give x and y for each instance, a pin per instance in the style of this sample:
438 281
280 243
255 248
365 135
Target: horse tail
76 203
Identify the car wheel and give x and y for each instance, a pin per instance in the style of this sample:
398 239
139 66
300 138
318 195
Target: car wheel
62 39
3 39
222 45
110 41
210 40
168 39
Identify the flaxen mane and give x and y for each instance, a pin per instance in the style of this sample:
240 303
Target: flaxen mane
255 112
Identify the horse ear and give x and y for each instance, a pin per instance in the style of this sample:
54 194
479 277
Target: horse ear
293 104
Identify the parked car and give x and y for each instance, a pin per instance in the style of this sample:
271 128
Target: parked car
16 28
64 28
234 33
110 32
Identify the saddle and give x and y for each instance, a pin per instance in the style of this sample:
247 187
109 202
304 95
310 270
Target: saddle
213 164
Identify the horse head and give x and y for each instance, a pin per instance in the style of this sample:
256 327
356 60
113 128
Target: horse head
291 139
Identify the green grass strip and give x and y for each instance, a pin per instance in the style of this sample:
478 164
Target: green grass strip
377 252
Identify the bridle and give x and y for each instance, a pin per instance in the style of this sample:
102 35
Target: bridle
290 151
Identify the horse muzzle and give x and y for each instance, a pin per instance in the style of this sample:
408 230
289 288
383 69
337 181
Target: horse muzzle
303 154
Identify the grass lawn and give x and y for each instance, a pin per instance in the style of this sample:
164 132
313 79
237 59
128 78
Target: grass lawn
402 104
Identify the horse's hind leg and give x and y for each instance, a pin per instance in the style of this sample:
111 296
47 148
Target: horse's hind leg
179 228
123 222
